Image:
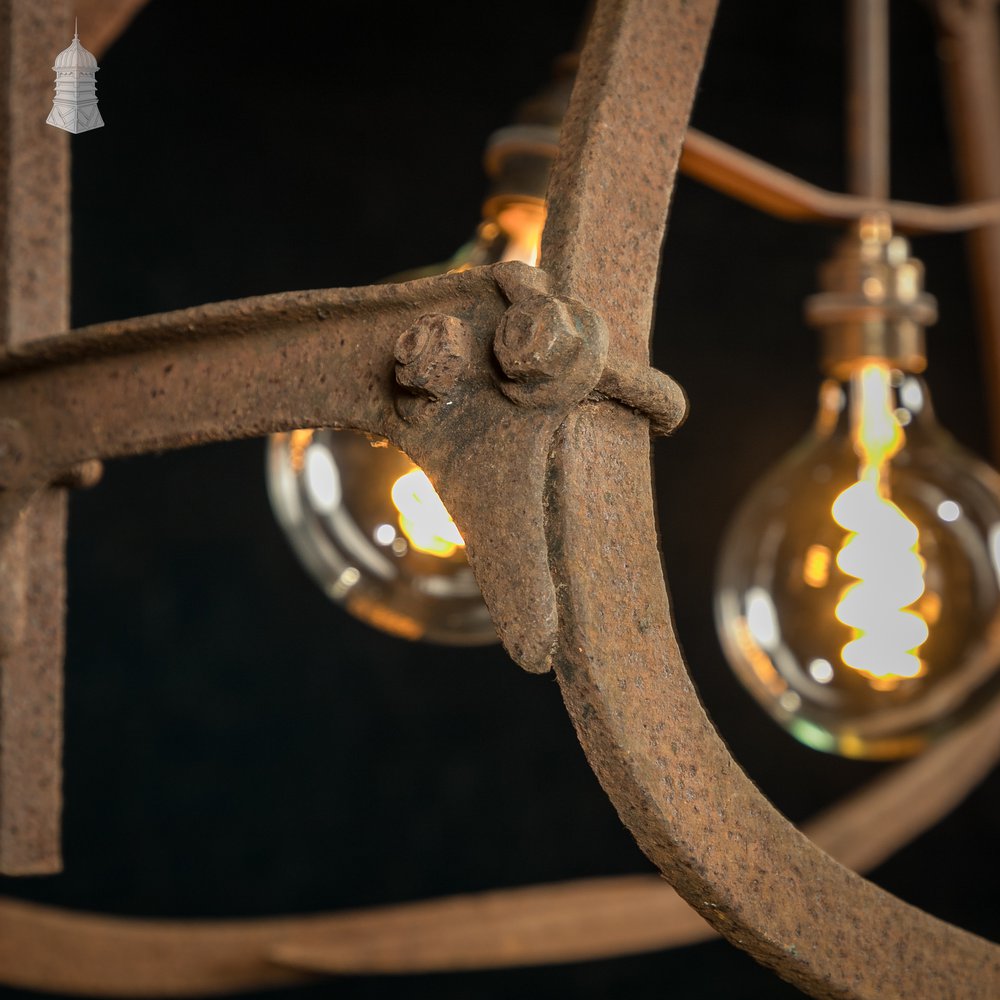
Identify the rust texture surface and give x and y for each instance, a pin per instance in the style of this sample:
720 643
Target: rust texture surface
310 359
494 376
34 173
33 579
417 363
34 302
756 879
105 956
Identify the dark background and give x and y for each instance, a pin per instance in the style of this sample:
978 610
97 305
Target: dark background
236 745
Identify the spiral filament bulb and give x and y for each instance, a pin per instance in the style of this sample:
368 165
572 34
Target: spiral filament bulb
881 550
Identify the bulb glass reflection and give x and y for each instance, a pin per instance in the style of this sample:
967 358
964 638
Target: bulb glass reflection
858 594
366 522
370 527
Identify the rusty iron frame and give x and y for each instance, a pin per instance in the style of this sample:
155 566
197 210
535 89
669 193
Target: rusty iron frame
541 376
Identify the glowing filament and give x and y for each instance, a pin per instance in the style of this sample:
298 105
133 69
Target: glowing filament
882 548
423 518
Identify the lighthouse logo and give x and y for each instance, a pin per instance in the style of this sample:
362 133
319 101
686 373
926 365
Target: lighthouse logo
75 105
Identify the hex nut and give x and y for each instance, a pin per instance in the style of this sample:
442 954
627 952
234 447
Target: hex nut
433 354
537 339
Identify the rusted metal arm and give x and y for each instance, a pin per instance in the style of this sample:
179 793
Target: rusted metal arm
304 359
34 300
223 371
34 174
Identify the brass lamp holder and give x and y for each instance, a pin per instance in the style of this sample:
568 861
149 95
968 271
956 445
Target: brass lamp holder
873 304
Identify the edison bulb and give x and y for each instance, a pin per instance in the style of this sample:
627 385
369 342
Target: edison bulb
858 593
371 529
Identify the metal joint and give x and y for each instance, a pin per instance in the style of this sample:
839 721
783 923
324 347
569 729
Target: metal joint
554 350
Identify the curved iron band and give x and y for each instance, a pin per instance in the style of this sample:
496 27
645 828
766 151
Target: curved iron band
736 860
697 816
576 921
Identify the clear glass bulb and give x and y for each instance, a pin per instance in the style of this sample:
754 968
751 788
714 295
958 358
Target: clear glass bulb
371 529
858 592
366 522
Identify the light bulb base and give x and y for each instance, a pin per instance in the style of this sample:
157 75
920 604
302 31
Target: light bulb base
847 345
873 306
518 160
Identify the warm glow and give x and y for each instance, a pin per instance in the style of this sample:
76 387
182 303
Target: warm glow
881 549
816 568
423 518
522 222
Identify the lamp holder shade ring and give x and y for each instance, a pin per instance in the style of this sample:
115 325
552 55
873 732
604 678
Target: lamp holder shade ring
873 303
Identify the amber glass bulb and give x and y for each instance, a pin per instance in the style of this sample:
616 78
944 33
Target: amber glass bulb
366 522
858 594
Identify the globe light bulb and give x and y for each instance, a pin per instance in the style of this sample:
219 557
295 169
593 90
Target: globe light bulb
858 593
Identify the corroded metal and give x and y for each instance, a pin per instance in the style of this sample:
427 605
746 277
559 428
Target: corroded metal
433 354
567 563
325 359
309 359
32 606
106 956
725 849
34 301
34 174
552 350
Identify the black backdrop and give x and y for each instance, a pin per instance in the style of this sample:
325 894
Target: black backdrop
238 746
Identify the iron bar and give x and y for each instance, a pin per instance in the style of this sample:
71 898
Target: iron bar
868 98
34 301
777 192
970 55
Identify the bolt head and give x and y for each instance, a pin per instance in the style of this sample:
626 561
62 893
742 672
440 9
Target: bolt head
433 354
537 339
413 342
